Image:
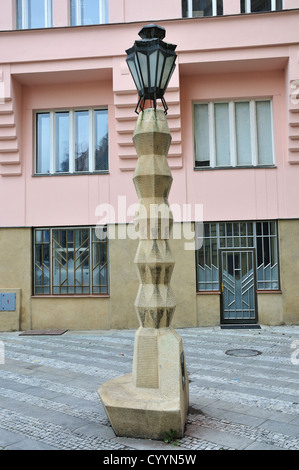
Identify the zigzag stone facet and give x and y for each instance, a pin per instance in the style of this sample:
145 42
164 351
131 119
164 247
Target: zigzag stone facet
154 303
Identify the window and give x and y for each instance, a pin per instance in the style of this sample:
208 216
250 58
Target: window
84 12
260 236
34 14
73 141
233 134
252 6
70 261
195 8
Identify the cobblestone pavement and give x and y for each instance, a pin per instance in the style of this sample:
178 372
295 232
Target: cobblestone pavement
49 400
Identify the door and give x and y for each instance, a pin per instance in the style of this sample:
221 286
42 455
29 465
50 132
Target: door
238 299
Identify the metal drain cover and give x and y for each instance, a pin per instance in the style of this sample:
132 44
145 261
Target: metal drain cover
243 352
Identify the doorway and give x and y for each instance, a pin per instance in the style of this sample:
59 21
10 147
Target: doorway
238 287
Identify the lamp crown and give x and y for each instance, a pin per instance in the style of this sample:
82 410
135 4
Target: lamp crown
152 31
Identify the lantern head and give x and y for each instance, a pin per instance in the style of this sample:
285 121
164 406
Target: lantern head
151 62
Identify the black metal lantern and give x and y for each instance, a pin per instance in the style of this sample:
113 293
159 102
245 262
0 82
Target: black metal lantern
151 62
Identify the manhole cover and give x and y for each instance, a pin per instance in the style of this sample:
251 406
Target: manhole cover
242 352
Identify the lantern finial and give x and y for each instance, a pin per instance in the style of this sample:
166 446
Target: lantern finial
152 31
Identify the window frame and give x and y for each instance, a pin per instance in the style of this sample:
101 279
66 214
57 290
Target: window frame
92 233
190 9
103 13
250 241
247 7
72 160
25 18
232 134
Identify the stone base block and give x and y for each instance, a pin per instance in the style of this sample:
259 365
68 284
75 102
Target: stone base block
141 412
153 399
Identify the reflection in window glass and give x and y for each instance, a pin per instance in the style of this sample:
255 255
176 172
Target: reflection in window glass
81 140
71 141
222 134
43 143
34 14
264 132
201 135
260 5
42 262
202 8
90 12
197 8
86 12
254 6
233 134
243 139
101 139
62 142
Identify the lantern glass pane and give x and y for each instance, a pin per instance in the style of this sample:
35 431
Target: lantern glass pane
142 58
137 66
160 68
134 73
153 59
167 70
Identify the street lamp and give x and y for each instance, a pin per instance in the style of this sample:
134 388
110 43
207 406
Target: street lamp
151 62
154 398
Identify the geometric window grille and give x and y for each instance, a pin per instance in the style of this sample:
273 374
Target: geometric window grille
262 237
70 261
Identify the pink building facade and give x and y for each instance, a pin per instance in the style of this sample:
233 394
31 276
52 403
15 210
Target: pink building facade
67 160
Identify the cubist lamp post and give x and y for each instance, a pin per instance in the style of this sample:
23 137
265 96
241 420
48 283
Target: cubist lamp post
154 398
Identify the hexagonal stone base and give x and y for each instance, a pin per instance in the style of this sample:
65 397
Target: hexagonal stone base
140 412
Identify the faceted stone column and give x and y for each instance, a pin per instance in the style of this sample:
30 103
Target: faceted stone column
154 398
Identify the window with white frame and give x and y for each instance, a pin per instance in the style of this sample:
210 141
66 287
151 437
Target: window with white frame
196 8
70 260
34 14
85 12
72 141
233 134
253 6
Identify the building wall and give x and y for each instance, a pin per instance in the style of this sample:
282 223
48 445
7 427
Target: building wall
236 194
15 273
84 76
116 310
289 266
121 11
74 67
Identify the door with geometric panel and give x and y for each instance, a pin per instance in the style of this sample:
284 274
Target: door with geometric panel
238 288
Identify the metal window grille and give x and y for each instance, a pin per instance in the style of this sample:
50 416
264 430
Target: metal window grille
260 236
70 261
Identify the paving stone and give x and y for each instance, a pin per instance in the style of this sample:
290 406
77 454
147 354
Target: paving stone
49 400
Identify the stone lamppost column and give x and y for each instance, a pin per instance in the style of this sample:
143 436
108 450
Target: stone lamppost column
154 398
